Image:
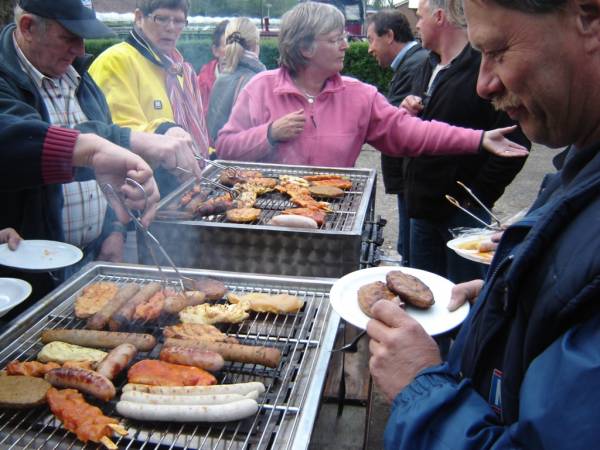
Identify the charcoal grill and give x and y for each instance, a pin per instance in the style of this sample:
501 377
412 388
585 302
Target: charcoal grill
287 409
336 248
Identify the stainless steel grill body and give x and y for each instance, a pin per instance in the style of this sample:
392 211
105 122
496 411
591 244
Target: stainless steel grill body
287 409
212 243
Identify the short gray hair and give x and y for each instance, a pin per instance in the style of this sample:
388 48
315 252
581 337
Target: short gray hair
532 6
18 12
453 10
300 26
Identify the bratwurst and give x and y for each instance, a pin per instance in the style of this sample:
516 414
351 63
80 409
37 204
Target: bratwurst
188 356
99 339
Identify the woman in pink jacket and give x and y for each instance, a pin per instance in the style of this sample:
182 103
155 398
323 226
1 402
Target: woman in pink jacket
307 113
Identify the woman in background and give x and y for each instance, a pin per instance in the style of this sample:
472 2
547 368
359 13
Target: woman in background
147 83
210 71
240 63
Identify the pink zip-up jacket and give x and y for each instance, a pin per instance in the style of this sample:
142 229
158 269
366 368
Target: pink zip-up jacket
346 114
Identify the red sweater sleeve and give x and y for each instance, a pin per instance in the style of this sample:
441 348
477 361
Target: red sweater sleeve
57 155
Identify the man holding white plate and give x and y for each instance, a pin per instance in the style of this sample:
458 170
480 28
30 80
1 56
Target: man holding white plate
524 371
35 153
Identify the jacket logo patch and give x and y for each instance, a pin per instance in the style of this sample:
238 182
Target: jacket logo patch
157 104
495 399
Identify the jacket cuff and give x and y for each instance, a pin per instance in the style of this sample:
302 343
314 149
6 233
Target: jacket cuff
164 127
426 382
57 155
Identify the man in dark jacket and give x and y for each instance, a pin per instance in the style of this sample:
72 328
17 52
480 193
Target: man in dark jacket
525 369
43 77
445 90
392 43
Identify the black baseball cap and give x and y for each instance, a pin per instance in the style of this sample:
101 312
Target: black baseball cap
77 16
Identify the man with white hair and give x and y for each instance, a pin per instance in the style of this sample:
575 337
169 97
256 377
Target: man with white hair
43 77
524 371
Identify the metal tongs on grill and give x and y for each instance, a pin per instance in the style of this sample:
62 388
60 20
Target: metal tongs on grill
496 225
233 172
150 240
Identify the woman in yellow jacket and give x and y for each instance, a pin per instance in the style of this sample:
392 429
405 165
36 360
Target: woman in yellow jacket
147 83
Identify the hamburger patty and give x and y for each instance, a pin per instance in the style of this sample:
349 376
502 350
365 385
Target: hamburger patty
370 293
18 391
410 289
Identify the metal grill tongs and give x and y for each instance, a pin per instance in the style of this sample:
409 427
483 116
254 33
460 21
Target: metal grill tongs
496 225
233 171
149 239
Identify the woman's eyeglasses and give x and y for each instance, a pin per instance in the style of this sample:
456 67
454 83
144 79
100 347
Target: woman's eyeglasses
338 40
164 21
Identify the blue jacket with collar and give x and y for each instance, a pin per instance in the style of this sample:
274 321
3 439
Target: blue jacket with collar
36 212
525 369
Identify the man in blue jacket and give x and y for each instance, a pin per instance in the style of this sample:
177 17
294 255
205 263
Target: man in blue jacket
525 369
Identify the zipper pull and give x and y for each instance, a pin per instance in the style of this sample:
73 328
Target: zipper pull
312 118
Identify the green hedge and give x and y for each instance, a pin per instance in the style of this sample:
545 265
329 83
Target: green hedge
358 63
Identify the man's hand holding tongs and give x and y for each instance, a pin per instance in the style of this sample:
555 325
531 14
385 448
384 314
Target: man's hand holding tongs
112 165
174 150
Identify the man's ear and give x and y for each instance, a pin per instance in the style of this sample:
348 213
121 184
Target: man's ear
389 36
588 19
439 16
26 26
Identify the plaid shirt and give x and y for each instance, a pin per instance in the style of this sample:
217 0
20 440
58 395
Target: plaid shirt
84 204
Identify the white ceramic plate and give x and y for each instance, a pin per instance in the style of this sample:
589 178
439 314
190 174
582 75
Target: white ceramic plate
38 255
435 320
12 292
473 255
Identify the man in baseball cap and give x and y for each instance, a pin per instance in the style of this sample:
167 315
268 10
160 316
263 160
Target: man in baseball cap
77 16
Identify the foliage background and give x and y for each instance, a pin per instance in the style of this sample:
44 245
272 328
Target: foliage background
358 63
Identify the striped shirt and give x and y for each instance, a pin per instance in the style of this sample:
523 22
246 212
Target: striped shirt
84 205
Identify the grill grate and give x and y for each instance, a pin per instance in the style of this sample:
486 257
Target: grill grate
342 218
292 389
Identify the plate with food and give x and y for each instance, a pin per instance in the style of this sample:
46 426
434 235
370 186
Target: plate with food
424 295
478 247
12 292
40 255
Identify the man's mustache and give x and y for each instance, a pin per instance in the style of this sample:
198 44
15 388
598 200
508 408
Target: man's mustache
505 101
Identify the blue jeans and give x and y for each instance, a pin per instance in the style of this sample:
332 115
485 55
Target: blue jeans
403 245
428 249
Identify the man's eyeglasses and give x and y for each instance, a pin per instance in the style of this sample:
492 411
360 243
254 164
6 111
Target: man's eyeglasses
164 21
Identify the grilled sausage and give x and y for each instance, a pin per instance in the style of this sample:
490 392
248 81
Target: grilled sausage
236 388
192 357
166 399
294 221
175 303
86 381
99 320
117 359
267 356
99 339
189 413
121 318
